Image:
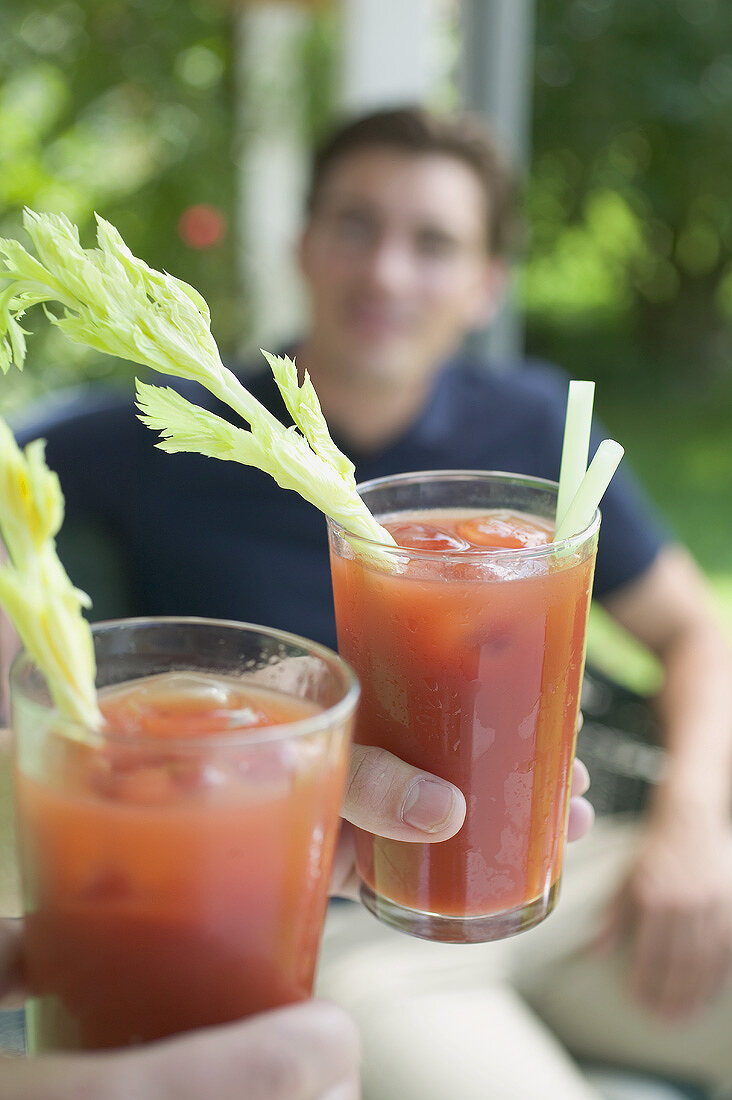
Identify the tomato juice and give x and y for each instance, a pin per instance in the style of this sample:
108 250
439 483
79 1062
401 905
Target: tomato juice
470 666
175 875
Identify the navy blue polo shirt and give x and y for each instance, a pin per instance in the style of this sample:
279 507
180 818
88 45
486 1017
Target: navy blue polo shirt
205 537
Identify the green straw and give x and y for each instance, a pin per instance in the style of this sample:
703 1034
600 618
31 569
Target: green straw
591 491
576 444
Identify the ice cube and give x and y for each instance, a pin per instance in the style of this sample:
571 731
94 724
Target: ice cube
299 678
242 717
151 786
426 536
505 530
199 687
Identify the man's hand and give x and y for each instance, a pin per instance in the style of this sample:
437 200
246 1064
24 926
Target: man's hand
677 900
307 1052
392 799
676 906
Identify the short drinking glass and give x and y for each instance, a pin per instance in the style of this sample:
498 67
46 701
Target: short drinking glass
175 863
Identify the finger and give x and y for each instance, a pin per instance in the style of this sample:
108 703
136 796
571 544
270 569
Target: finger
392 799
580 721
719 961
296 1053
581 817
698 962
685 976
580 779
613 925
650 957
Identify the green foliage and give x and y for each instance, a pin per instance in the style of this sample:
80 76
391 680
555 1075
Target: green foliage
630 268
681 450
123 107
319 61
127 107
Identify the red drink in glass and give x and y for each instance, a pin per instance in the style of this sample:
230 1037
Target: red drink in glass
470 651
175 866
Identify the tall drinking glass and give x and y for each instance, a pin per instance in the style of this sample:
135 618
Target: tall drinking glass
470 652
175 863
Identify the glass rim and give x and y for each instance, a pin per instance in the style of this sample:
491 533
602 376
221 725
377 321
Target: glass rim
489 553
237 736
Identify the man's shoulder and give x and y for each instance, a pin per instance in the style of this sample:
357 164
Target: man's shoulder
527 391
74 410
525 380
259 381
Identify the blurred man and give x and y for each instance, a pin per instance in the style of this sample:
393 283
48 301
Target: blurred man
410 229
409 232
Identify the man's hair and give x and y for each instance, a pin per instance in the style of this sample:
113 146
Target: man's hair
413 130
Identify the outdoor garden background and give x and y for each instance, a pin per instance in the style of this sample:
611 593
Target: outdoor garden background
128 107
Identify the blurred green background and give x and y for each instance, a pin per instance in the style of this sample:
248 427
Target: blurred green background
128 107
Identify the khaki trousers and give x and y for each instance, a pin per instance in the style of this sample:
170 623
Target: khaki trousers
496 1021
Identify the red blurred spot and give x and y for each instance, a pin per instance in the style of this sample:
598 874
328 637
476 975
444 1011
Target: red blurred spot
202 226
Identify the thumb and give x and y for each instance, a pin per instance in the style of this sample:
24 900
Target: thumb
613 924
392 799
297 1053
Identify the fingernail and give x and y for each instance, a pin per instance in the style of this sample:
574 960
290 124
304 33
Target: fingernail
427 805
580 779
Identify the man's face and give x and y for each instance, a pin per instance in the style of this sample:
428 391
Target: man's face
395 260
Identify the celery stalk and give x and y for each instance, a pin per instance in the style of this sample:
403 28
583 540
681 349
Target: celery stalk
35 590
113 302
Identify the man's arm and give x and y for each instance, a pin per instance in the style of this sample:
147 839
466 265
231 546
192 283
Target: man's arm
678 898
668 609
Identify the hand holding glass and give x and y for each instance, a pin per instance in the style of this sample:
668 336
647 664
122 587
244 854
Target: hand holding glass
175 864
